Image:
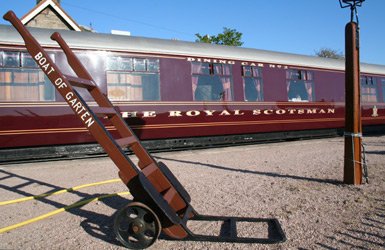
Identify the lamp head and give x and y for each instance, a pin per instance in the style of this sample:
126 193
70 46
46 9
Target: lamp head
351 3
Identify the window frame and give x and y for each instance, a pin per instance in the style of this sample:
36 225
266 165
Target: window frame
256 78
209 70
382 82
304 76
131 71
20 75
18 62
368 83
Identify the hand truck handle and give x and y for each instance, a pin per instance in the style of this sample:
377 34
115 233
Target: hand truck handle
12 18
73 61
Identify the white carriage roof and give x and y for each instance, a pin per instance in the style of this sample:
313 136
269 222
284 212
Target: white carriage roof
108 42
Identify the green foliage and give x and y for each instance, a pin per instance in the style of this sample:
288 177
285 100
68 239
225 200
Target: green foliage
329 53
229 37
203 39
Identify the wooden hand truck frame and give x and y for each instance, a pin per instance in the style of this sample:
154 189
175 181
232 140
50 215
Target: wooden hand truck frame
160 201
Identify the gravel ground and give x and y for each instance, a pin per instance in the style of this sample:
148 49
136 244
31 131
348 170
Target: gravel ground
299 183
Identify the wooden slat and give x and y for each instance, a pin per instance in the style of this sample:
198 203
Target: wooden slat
170 195
155 176
126 141
80 82
173 198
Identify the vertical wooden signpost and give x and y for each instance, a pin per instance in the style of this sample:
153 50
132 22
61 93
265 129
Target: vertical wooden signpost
353 126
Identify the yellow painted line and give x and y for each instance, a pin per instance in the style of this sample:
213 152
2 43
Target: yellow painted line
2 203
60 210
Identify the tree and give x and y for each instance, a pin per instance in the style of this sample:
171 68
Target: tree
229 37
329 53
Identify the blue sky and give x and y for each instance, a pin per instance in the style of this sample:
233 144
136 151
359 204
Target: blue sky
296 26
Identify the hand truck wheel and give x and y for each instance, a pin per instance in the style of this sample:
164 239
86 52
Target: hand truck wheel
136 226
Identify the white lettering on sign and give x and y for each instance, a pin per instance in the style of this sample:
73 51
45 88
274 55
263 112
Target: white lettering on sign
79 109
149 114
129 114
175 114
193 113
224 61
252 64
207 60
60 83
42 61
209 112
226 112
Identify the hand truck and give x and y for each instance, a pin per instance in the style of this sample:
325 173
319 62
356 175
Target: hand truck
160 202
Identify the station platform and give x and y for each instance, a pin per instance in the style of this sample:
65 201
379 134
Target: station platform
297 182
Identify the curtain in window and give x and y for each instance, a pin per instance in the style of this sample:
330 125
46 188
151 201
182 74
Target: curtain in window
290 74
226 94
288 83
309 76
309 90
217 69
124 86
194 84
256 72
24 88
258 89
134 89
133 86
227 70
24 85
368 94
200 68
115 90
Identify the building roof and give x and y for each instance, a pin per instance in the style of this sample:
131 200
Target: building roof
60 12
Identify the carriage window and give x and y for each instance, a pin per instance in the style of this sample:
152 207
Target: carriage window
211 81
252 83
27 61
139 64
152 65
383 89
119 63
11 59
21 80
300 85
133 79
368 89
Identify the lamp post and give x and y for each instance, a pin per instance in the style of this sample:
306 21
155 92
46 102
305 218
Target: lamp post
353 127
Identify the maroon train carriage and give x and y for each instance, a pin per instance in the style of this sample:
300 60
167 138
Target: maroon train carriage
175 94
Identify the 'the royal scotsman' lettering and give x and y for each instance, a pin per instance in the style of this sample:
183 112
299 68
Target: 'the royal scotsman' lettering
235 112
76 104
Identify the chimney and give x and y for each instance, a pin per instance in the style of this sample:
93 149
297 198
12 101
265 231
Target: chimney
56 1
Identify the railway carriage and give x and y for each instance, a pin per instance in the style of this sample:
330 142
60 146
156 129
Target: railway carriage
175 94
